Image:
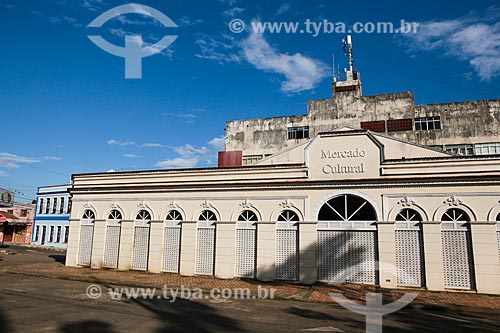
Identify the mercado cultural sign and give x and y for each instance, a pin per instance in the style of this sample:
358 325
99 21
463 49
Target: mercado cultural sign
343 161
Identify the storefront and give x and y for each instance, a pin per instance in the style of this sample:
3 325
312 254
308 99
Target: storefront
14 229
348 205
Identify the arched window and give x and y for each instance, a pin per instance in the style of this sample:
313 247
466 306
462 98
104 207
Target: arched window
288 216
143 218
347 207
455 215
498 217
88 217
115 215
174 216
407 215
247 216
207 215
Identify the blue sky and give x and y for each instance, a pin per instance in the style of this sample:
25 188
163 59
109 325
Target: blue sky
67 108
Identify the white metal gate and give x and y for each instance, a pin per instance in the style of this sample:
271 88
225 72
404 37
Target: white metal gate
498 238
456 255
112 246
409 254
287 261
245 249
171 246
347 252
85 248
205 249
141 248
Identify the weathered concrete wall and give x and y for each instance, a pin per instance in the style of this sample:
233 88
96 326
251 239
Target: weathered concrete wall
462 122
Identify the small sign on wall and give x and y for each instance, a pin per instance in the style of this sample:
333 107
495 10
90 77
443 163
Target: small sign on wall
6 198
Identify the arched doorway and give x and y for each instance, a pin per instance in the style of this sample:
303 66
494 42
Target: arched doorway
347 240
409 248
498 232
112 245
172 241
245 244
86 238
142 229
287 261
205 244
457 249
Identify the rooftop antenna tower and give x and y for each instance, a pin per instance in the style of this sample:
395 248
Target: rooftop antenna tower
347 46
333 67
350 81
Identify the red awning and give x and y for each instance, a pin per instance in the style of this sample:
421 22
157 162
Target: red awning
7 217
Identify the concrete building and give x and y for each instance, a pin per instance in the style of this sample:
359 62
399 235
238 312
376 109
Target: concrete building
51 226
346 205
16 223
465 128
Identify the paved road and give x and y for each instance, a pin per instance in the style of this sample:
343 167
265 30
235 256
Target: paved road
36 304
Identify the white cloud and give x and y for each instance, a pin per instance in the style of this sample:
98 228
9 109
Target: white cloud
6 5
223 49
177 163
52 158
3 174
65 19
218 143
191 156
186 21
120 143
231 12
125 143
130 155
188 116
93 5
188 150
470 38
301 72
12 161
283 8
229 2
153 145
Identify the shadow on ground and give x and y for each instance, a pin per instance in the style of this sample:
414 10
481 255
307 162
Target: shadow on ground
87 326
60 258
183 315
5 326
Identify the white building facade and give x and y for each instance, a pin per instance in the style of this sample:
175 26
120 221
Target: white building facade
348 205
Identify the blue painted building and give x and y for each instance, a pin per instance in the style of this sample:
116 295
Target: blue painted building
51 227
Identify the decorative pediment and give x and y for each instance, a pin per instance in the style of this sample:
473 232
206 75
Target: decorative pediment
115 205
406 202
206 204
287 204
453 201
246 204
143 205
88 205
173 205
